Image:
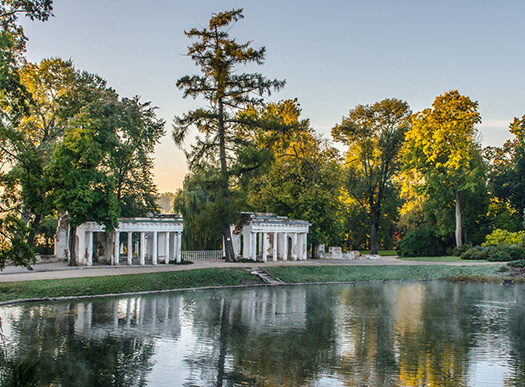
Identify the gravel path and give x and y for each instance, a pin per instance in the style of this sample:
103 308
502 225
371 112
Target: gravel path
58 270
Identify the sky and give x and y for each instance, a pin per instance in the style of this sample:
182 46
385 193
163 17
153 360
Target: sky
333 54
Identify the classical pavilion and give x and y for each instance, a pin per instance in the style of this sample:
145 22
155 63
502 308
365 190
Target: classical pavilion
267 236
140 241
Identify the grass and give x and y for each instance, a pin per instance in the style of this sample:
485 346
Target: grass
125 283
307 274
384 253
446 258
187 279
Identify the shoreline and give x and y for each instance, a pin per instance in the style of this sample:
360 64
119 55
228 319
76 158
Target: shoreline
82 283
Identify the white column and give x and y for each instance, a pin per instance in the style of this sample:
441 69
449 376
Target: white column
167 248
275 241
285 246
116 248
89 241
80 247
154 250
253 246
294 246
142 259
130 248
173 246
305 247
178 246
264 246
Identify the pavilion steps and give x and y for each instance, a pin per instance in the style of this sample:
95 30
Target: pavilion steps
266 277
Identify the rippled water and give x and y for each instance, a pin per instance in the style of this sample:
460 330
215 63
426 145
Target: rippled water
388 334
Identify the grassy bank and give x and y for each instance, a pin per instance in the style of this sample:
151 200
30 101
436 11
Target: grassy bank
125 283
233 277
308 274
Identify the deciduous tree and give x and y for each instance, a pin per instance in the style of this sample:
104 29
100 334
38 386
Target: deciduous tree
443 146
374 135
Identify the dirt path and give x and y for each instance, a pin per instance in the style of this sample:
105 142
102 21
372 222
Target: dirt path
58 270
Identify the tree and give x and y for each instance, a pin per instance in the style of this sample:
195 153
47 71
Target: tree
507 178
443 147
374 135
14 99
218 56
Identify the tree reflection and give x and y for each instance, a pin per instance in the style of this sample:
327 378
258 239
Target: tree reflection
370 334
98 343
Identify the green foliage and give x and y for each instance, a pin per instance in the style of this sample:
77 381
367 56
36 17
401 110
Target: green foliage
21 374
421 242
496 253
507 178
517 264
443 148
476 253
13 242
218 56
500 236
45 235
374 135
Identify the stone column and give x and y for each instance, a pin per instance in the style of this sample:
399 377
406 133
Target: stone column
275 241
285 246
305 247
178 246
154 250
89 241
253 246
294 246
167 248
116 249
130 247
264 246
142 259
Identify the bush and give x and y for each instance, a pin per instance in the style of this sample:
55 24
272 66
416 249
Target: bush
421 243
475 253
500 236
517 264
504 253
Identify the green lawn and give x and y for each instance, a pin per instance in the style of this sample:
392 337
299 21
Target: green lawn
446 258
233 277
308 274
125 283
385 253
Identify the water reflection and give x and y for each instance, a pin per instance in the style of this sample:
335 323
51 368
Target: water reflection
415 334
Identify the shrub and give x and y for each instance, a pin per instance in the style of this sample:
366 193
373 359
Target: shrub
517 264
500 236
477 252
504 252
421 243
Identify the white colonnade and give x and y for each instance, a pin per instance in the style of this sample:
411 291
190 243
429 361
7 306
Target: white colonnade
266 236
136 240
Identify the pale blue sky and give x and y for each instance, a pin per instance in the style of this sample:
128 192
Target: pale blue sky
333 54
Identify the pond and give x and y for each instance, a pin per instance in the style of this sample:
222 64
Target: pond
378 334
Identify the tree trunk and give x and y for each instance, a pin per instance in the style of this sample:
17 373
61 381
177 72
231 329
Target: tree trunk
315 251
373 231
72 246
228 245
458 220
226 233
32 235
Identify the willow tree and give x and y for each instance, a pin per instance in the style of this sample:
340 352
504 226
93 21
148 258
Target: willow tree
374 135
225 91
443 147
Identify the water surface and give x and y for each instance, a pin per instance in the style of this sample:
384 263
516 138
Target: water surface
384 334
